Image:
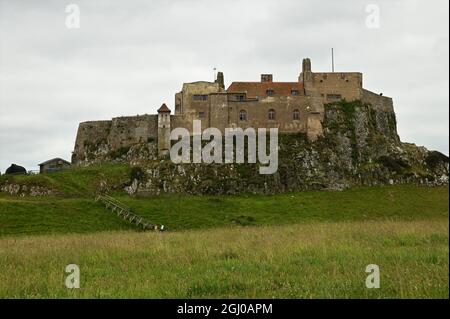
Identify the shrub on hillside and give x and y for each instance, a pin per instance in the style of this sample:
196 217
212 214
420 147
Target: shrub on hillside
434 159
394 164
137 173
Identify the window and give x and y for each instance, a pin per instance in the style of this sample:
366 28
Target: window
239 97
200 97
243 115
294 92
334 97
271 114
269 92
296 115
201 115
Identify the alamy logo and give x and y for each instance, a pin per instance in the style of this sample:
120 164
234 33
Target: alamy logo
373 279
373 17
73 279
213 152
73 17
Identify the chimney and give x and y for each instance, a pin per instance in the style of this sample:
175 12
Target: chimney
266 78
220 80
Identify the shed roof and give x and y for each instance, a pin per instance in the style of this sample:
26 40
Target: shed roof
54 160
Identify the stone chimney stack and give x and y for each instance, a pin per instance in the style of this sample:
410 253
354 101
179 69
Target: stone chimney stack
266 78
306 74
306 65
306 77
220 80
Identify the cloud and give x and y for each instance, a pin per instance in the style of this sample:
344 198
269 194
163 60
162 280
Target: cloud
129 57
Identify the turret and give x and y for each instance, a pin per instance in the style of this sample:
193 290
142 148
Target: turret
163 131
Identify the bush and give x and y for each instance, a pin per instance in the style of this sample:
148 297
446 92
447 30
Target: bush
118 153
137 173
393 164
435 158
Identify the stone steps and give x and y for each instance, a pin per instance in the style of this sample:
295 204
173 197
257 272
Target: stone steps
121 210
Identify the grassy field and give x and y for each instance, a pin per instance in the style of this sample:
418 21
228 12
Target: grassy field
72 214
293 245
314 260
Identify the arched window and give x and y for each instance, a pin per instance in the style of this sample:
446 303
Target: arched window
242 115
296 115
271 114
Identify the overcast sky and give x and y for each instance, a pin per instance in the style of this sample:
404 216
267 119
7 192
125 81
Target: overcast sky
129 57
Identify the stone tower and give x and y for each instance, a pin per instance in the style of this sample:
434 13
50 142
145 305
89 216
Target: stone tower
315 104
163 131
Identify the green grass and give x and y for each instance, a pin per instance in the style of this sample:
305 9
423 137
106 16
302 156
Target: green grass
67 214
294 245
75 182
52 215
313 260
403 202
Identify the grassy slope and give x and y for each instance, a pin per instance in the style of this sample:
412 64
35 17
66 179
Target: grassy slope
76 182
402 228
25 216
404 202
296 261
66 214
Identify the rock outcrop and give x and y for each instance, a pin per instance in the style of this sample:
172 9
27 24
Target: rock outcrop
360 146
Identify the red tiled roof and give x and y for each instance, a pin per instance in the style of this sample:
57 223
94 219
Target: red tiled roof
163 108
258 89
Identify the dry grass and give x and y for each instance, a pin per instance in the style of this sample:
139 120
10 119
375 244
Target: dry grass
298 261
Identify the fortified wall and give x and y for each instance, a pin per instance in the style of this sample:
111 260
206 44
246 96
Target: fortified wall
102 138
292 107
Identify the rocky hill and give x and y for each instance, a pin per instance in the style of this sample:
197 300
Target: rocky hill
360 146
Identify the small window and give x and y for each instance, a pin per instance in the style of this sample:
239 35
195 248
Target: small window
334 97
271 114
200 97
243 115
296 115
239 97
201 115
294 92
269 92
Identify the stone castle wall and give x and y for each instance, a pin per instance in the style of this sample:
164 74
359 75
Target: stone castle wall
101 138
330 85
220 108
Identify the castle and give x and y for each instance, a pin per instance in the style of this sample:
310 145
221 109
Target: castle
289 106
